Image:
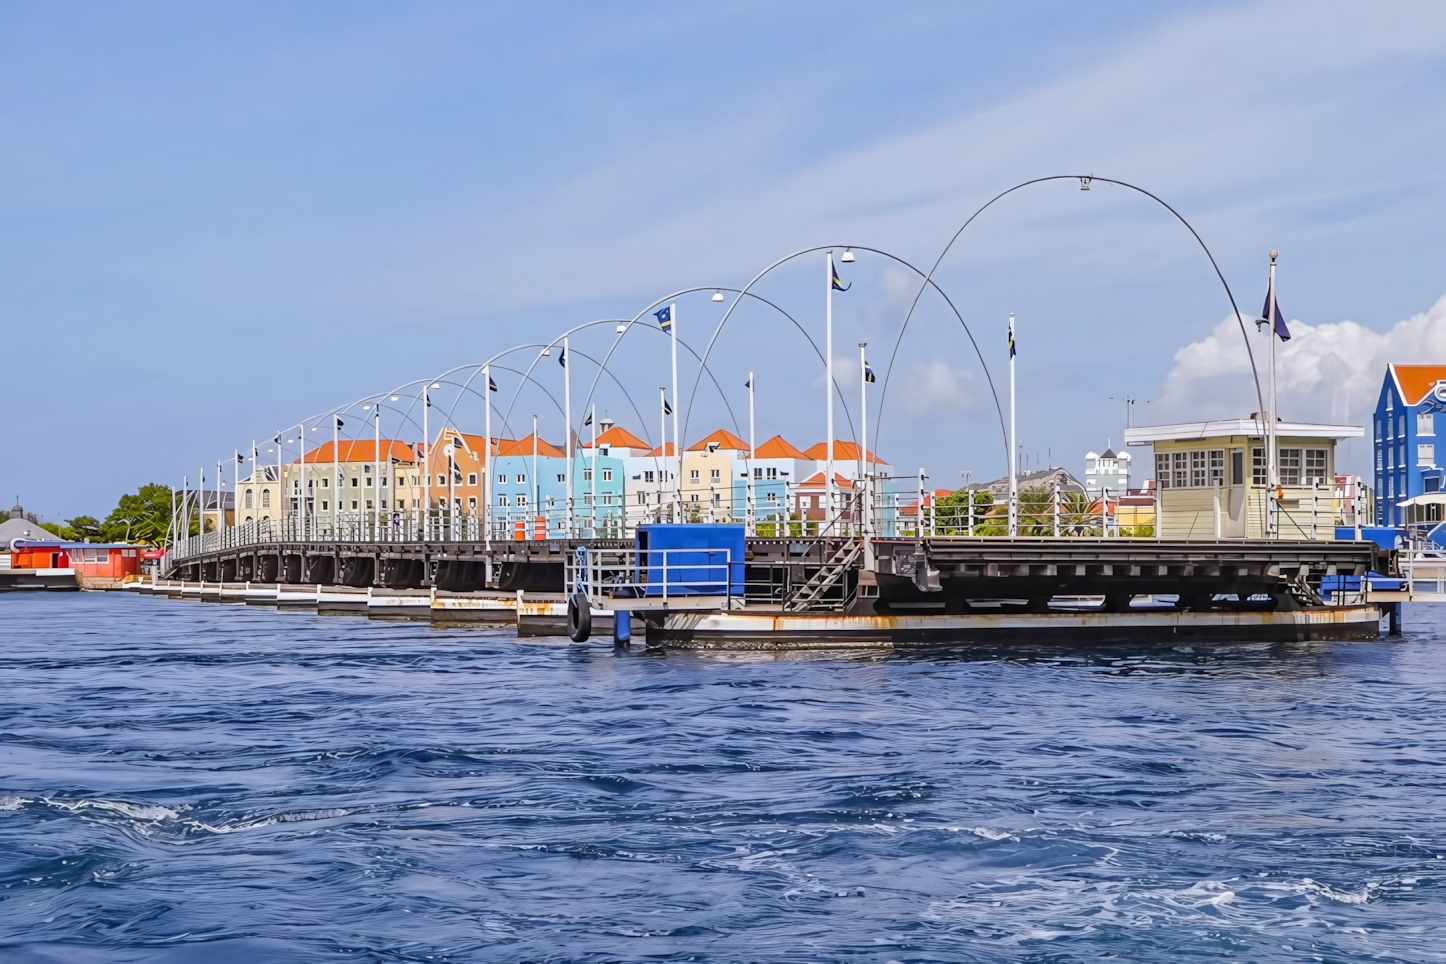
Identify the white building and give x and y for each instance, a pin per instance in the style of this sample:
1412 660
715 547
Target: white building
1107 470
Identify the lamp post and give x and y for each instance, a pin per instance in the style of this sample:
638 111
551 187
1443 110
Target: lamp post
828 388
752 507
487 459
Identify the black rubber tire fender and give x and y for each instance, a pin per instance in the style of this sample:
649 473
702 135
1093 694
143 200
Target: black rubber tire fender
579 617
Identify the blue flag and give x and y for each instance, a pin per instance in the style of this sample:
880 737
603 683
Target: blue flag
838 285
562 358
1278 322
491 385
340 423
868 373
665 318
1011 338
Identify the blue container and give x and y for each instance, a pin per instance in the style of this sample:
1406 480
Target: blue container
1329 585
1383 536
703 558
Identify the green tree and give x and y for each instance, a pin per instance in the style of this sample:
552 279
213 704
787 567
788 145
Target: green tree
83 528
143 516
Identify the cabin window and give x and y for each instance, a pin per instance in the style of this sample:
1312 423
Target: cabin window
265 498
1426 454
1425 423
1237 467
1257 466
1289 467
607 475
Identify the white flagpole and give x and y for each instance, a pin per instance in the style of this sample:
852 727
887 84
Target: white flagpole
662 445
336 473
536 485
377 470
426 461
1013 453
220 515
567 442
865 520
752 507
828 389
593 420
1272 462
487 458
677 442
280 490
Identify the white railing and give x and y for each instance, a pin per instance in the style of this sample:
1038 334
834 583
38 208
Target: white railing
660 576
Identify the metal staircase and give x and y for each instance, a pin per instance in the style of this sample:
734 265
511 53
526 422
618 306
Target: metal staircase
810 594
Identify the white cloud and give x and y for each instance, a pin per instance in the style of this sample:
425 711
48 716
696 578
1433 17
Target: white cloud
1326 373
935 388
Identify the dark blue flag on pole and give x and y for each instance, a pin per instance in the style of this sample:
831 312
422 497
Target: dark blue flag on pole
1278 322
562 358
665 318
837 284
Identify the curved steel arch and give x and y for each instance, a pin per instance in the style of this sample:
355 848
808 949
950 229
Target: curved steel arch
1084 179
928 282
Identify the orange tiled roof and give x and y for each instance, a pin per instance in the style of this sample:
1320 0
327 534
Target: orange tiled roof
618 437
1416 381
842 452
523 446
724 440
779 447
670 448
361 450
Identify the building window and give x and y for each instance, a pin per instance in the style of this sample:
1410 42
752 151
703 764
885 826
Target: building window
693 475
521 500
695 495
325 506
587 499
471 478
1180 469
249 498
758 473
1315 467
714 475
607 475
502 479
607 500
587 475
717 498
773 473
773 497
562 476
265 498
522 480
383 482
1426 454
384 505
325 483
355 482
369 505
502 500
441 480
353 505
369 479
642 498
1289 468
647 476
1425 423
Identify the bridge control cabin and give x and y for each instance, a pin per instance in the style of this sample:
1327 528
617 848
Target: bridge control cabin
1213 483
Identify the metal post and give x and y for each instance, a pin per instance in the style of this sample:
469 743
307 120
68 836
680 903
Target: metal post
662 462
536 485
970 493
594 472
1217 508
1272 461
1314 507
567 444
828 388
336 474
751 508
426 459
377 471
1056 508
487 465
677 442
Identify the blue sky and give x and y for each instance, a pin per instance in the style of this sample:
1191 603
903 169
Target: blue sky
218 220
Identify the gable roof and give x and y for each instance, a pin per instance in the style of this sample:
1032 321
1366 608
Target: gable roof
620 438
842 452
665 450
723 438
1414 382
816 481
523 446
779 447
360 450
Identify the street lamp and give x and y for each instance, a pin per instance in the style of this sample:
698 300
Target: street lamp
847 256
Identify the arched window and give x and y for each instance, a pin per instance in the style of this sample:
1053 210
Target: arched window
249 500
265 498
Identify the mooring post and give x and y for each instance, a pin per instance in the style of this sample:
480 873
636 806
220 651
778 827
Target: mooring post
1393 616
622 628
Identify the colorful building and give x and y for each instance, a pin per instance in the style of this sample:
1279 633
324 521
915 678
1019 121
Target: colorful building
1412 400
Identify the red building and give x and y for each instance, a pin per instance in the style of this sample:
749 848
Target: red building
96 566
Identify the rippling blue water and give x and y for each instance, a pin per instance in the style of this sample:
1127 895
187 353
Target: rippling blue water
189 782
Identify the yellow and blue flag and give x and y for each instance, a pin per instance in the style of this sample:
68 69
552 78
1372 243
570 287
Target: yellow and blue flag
868 373
1011 337
665 317
837 284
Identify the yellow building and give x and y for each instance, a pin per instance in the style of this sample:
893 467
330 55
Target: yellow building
1211 478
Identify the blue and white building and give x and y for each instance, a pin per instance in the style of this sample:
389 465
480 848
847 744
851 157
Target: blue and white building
1411 407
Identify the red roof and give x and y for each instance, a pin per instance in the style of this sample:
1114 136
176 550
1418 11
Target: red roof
722 438
779 447
361 450
620 438
842 452
523 446
670 447
1416 381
